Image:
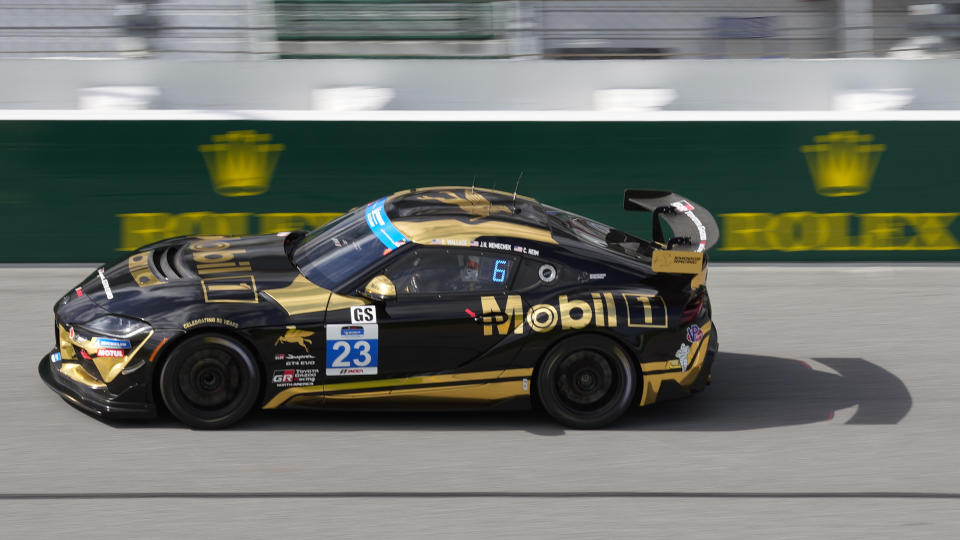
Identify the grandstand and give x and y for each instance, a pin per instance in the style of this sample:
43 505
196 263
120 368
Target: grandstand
562 29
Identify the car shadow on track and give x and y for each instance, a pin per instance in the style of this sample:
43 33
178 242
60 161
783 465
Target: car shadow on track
748 392
751 392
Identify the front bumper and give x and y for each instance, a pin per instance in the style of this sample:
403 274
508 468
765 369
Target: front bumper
92 399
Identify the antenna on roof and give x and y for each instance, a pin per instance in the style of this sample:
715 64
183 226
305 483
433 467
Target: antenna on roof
517 187
473 186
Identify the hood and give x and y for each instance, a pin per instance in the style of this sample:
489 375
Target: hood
169 279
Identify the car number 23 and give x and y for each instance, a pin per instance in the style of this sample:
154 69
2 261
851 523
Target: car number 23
351 349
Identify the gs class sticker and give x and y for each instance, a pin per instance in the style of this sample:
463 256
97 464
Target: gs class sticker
351 349
363 314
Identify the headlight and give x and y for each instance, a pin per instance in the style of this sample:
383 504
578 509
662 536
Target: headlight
116 326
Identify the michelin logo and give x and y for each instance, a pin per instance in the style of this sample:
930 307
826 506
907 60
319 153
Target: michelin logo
109 343
683 354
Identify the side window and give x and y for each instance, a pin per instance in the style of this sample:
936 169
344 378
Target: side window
438 271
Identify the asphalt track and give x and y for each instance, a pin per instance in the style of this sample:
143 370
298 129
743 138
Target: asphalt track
834 413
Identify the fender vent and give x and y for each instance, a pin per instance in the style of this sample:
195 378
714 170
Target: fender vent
164 263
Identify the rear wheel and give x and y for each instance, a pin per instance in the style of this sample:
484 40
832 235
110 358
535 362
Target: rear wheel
210 381
586 382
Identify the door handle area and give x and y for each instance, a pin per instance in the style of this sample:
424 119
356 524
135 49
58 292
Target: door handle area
495 318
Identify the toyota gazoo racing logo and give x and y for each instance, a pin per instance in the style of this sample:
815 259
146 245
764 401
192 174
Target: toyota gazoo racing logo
284 376
294 377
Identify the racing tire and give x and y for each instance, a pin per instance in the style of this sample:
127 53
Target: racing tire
210 381
586 382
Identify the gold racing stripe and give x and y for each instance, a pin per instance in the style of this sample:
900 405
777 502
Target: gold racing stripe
80 375
338 301
139 267
424 232
110 367
452 395
433 190
652 383
303 296
359 389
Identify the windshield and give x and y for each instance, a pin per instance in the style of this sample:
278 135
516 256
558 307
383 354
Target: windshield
336 252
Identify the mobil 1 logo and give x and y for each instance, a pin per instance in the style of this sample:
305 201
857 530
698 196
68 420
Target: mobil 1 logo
351 349
363 314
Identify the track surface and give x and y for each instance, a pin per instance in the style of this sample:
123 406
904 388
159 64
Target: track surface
834 413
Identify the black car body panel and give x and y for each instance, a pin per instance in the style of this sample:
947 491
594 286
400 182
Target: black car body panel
436 297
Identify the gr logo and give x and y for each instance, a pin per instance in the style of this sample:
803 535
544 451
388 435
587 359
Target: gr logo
363 314
284 376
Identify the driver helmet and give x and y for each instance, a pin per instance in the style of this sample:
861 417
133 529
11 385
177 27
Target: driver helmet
471 269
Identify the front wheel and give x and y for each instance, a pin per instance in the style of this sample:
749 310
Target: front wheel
210 381
586 382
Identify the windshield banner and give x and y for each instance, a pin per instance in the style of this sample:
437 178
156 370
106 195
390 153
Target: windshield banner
382 227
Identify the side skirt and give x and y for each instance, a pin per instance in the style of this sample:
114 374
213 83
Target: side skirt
459 390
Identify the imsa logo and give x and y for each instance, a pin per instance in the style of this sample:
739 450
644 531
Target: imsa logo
599 310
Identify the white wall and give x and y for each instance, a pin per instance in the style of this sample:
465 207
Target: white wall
483 84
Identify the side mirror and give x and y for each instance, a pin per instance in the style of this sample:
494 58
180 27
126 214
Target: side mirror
379 288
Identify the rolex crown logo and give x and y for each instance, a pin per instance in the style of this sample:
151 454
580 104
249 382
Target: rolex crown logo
842 163
241 163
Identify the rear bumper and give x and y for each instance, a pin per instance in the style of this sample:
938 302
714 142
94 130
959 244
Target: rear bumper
665 380
703 378
97 401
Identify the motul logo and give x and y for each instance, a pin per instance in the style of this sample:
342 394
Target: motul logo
110 353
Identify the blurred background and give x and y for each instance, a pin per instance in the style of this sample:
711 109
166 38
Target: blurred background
244 38
814 129
567 29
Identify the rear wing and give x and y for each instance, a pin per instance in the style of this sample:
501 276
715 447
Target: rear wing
694 229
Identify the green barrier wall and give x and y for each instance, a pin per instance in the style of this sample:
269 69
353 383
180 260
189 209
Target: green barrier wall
85 191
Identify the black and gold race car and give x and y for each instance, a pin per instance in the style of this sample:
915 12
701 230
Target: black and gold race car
440 297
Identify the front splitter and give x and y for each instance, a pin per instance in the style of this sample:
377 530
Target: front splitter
95 402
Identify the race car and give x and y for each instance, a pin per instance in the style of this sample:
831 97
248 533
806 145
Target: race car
442 297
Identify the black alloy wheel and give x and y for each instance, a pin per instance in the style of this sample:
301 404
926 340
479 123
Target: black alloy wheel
586 382
210 381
